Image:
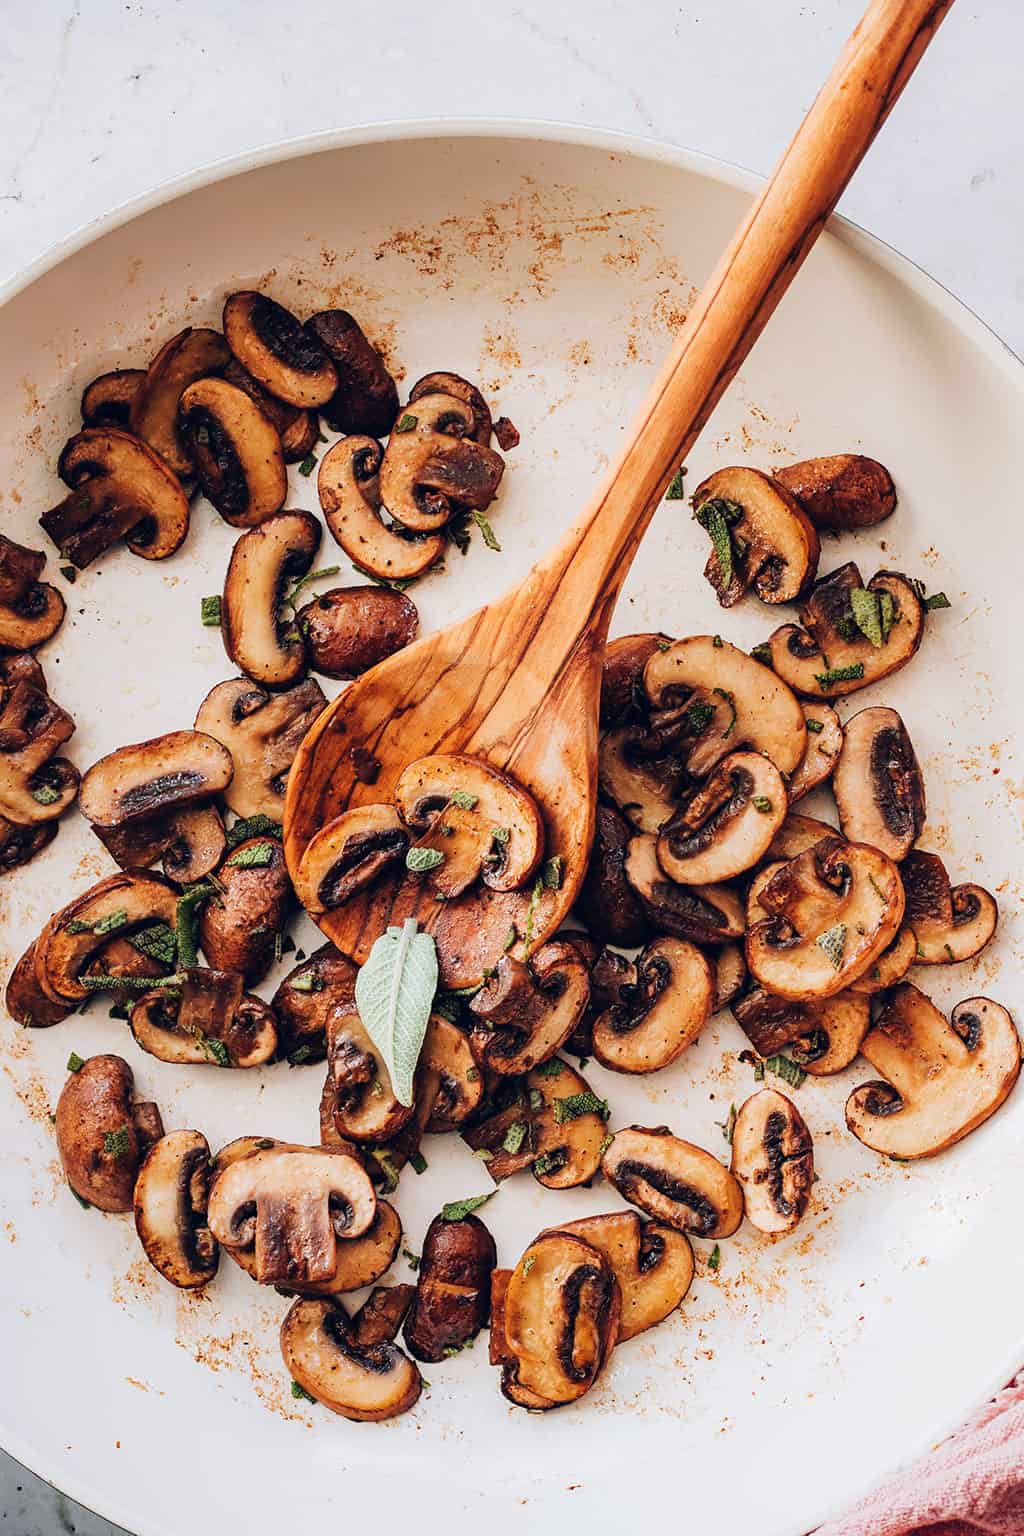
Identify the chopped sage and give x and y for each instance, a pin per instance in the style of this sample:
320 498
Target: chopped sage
458 1210
419 861
832 943
209 611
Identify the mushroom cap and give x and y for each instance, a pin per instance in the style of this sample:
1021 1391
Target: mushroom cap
443 383
607 902
822 1035
674 1181
644 786
949 923
730 970
878 785
365 1108
661 1013
826 629
768 717
435 468
20 570
291 1205
170 1209
892 964
254 899
33 619
153 409
525 1013
262 732
305 998
25 1000
727 825
348 483
366 1383
453 1288
704 914
448 1085
348 854
652 1263
107 400
198 844
774 544
366 399
102 1134
119 904
236 452
32 727
283 355
797 834
622 676
151 778
265 645
824 744
119 486
773 1159
350 629
212 1012
942 1079
841 491
560 1320
560 1139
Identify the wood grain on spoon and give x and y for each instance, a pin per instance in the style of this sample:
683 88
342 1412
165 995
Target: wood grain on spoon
518 681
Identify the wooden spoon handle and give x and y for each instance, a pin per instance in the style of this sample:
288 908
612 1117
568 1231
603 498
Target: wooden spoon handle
741 294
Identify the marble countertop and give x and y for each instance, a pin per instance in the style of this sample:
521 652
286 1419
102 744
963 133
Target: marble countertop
104 99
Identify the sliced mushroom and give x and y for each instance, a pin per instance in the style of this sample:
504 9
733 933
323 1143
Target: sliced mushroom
893 963
20 570
235 451
652 1263
348 854
120 904
238 928
607 902
170 1199
841 491
137 797
103 1133
942 1078
361 1260
527 1010
555 1124
362 1382
262 638
821 1036
107 401
432 467
120 488
363 1102
623 699
878 785
153 413
559 1319
674 1181
453 1288
730 970
499 838
350 629
349 487
283 355
262 732
291 1206
381 1314
828 655
832 911
824 744
727 825
751 707
366 397
297 429
32 620
950 923
442 383
660 1012
797 834
305 999
704 914
773 1159
198 846
25 1000
212 1022
35 784
448 1086
773 546
639 776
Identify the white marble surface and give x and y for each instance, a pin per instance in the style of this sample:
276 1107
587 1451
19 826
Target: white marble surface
102 100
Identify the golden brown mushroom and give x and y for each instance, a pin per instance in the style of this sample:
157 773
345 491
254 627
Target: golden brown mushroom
878 785
170 1198
212 1022
453 1288
704 914
153 411
120 488
761 535
362 1382
262 732
841 491
260 634
673 1181
238 929
366 397
348 854
832 652
36 785
949 922
659 1011
821 1035
350 629
432 466
553 1124
773 1159
236 452
652 1263
283 355
349 487
526 1011
103 1133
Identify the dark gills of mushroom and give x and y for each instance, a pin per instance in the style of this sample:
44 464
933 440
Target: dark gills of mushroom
358 1090
366 398
652 1263
727 825
841 491
704 914
138 800
236 452
285 356
527 1010
262 731
659 1012
120 488
350 629
349 487
170 1198
949 922
103 1133
212 1022
674 1181
761 537
849 635
607 902
453 1288
362 1382
454 384
640 775
258 626
35 784
942 1079
348 854
773 1158
878 785
297 429
432 467
107 400
153 413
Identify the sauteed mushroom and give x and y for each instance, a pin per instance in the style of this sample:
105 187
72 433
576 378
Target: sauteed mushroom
361 1260
170 1199
822 1036
607 902
704 914
949 923
31 611
641 777
659 1011
283 355
652 1263
797 834
832 652
824 744
262 732
877 783
348 854
19 845
119 905
674 1181
107 401
773 1159
362 1100
454 384
498 838
362 1382
841 491
138 798
120 488
622 676
554 1124
350 629
432 467
453 1289
153 411
35 784
526 1011
727 824
730 969
103 1133
297 429
448 1087
238 929
349 487
366 398
892 964
212 1022
262 640
306 997
235 451
761 536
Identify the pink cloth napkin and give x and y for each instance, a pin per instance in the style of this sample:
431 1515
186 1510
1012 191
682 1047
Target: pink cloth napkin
971 1485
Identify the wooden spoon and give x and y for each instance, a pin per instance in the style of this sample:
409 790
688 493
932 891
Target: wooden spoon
518 682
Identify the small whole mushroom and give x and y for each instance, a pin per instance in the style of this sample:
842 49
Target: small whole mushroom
350 629
453 1288
103 1133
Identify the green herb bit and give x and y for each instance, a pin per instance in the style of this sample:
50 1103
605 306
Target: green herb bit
308 465
728 1125
762 803
83 1203
301 1054
514 1137
417 1162
158 942
937 600
395 583
405 423
382 1157
510 939
185 915
484 1154
606 1141
215 1050
789 1071
814 726
715 1258
887 612
758 1071
675 490
252 826
535 899
536 1099
458 1210
412 1259
105 983
111 923
866 607
698 717
528 1263
419 861
848 674
463 799
77 926
257 856
550 1162
75 1062
117 1144
763 654
883 898
501 835
551 873
209 611
309 982
550 1068
45 794
717 642
664 645
832 944
301 1393
578 1104
489 536
712 517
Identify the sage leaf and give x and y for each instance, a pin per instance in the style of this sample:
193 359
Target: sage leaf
394 993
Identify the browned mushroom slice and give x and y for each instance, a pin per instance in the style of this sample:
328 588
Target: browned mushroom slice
170 1209
652 1262
559 1321
260 633
381 1314
950 923
730 973
133 797
607 902
349 487
832 911
238 930
364 1105
25 1000
892 964
453 1288
262 732
120 904
213 1022
442 383
760 532
283 355
639 777
448 1086
660 1013
291 1206
350 629
361 1260
841 491
673 1181
623 699
153 415
704 914
432 467
107 401
366 397
878 785
555 1125
35 784
120 488
362 1382
751 707
727 825
305 999
832 652
31 620
498 837
821 1036
297 429
942 1078
773 1159
235 450
348 854
103 1133
527 1011
797 834
198 846
20 570
824 744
